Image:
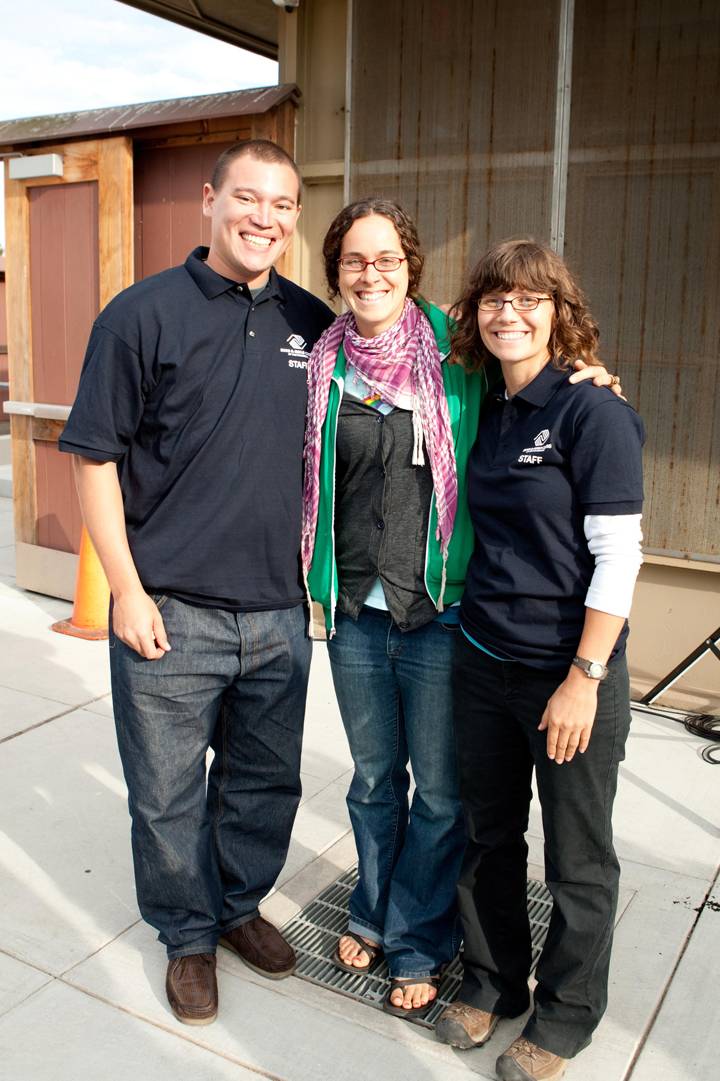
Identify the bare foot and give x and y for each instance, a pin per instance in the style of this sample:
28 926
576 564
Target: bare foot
414 995
352 954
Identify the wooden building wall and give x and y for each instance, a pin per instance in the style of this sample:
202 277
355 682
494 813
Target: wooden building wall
64 273
169 221
3 313
614 158
313 54
4 423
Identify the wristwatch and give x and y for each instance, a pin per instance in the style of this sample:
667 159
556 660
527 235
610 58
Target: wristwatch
592 669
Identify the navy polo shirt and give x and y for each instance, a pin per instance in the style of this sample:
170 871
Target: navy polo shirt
198 391
543 459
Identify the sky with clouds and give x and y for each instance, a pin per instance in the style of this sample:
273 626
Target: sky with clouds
61 55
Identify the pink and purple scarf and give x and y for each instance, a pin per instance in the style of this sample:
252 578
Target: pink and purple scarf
403 366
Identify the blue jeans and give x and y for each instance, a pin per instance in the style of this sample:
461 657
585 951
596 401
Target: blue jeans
236 682
498 708
394 693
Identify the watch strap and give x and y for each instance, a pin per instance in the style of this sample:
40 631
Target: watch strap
592 669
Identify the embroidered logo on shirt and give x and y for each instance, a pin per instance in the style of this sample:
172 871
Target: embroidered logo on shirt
298 352
533 455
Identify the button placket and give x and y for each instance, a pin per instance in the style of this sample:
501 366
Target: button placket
508 419
387 441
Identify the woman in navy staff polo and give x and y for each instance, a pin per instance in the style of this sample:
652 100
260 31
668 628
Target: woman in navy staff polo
540 679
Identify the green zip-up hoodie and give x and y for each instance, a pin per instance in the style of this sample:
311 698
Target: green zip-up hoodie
464 392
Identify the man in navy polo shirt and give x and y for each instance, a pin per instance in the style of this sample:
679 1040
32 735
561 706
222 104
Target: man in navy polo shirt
187 432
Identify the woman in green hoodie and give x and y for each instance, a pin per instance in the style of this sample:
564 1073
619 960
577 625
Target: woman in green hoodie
385 546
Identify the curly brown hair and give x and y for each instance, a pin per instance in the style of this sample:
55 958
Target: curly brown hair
364 208
524 264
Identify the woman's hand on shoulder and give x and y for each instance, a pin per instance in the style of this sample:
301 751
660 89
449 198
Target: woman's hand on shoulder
600 376
569 716
450 309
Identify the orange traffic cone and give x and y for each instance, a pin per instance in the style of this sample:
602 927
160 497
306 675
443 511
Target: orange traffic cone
89 617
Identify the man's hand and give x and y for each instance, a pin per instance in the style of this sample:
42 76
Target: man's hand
137 622
600 376
569 716
136 619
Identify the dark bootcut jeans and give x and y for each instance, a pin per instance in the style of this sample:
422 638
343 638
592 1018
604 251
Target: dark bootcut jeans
235 682
498 707
394 694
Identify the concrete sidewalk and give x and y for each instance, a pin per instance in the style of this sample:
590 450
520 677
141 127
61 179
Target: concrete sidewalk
82 978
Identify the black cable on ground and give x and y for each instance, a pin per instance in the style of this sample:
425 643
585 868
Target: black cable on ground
705 725
711 755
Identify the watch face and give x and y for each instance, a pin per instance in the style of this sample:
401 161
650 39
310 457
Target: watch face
595 670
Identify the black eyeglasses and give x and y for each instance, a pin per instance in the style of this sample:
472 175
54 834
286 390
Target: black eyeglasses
520 304
355 265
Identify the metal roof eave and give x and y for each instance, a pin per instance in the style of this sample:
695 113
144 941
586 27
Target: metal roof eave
120 118
239 25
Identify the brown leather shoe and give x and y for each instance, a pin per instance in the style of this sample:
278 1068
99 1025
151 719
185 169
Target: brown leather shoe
465 1026
262 948
191 988
525 1061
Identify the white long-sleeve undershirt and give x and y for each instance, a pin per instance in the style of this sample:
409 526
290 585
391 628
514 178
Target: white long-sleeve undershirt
615 542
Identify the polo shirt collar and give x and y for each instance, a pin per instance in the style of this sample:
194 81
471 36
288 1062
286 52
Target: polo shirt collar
275 285
543 386
214 285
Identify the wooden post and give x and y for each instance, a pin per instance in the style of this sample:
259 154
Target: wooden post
19 342
115 216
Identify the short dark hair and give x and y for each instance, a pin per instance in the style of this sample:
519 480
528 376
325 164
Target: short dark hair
364 208
261 150
524 264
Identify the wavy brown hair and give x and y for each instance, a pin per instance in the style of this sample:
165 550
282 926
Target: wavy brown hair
364 208
524 264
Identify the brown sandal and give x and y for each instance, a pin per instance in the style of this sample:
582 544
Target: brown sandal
402 985
374 953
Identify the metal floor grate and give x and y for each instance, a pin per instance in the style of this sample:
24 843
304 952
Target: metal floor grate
314 933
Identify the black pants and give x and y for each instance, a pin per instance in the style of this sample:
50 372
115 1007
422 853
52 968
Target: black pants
498 707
